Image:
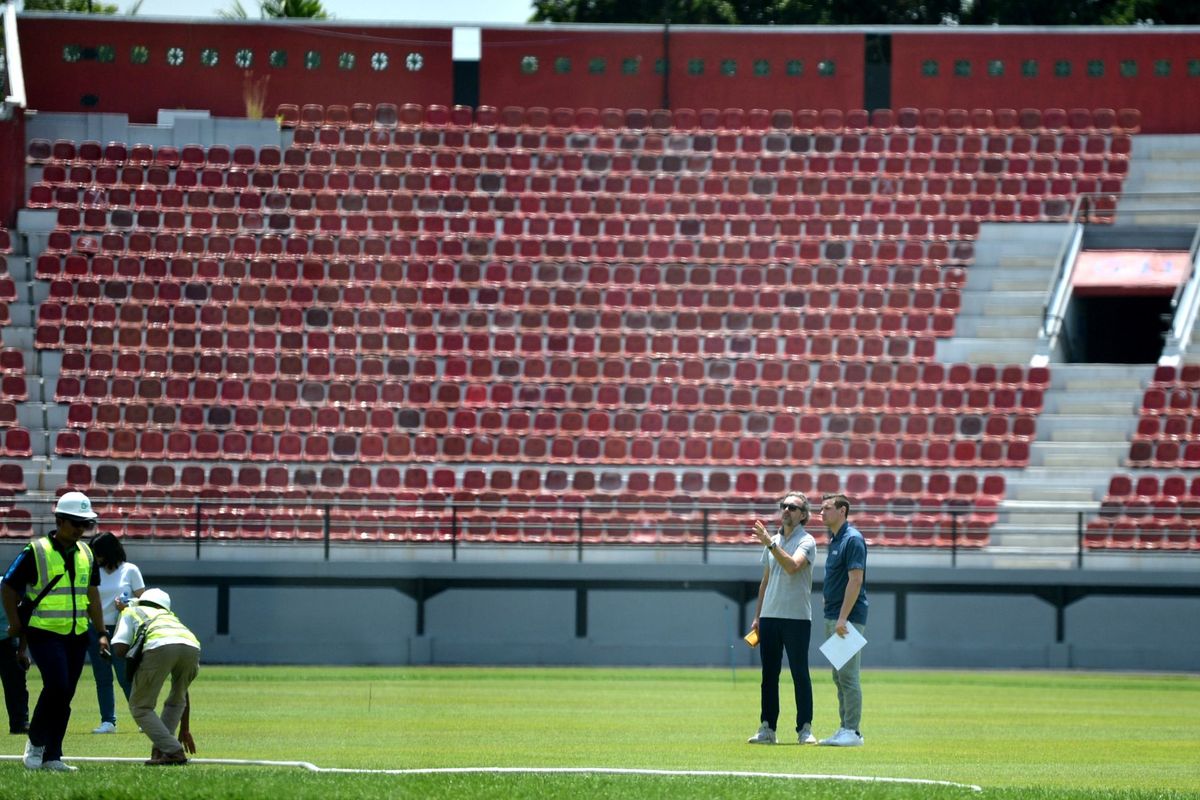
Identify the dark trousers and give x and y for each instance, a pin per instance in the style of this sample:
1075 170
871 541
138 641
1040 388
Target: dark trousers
775 636
60 660
16 696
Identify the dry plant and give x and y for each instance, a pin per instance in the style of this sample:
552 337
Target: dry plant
254 93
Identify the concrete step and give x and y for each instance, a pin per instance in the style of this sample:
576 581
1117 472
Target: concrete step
1033 282
1080 404
1101 380
1043 493
1002 304
996 328
1078 454
974 350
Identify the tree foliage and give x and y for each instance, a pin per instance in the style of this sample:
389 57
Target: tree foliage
71 6
854 12
278 9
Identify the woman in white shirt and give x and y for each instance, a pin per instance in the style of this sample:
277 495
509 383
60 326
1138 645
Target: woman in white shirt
118 579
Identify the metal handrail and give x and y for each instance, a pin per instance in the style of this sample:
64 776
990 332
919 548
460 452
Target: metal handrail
1087 208
12 54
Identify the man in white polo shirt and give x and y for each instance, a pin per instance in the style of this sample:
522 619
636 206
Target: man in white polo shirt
161 647
783 616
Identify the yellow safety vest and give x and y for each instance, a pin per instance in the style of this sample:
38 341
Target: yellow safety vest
63 610
159 624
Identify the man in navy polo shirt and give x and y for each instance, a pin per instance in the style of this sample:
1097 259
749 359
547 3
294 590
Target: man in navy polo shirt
845 604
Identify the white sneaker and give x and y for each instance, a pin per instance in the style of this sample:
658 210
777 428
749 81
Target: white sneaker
58 766
806 736
844 738
764 736
33 755
105 727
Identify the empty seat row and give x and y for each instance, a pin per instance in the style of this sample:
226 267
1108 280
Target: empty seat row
1129 536
143 225
920 196
238 378
636 119
715 310
817 246
138 413
797 346
1184 400
1153 427
1184 376
1153 486
151 278
1167 453
287 446
551 380
931 491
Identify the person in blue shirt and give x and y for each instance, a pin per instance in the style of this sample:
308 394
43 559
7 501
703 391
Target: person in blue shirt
845 596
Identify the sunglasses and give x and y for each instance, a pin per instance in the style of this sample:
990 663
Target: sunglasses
83 523
789 507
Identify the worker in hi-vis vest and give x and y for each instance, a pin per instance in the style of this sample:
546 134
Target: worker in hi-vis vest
158 646
50 592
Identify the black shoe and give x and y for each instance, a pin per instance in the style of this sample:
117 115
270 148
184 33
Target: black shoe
22 730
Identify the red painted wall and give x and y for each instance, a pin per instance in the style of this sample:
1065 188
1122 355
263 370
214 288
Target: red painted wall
54 84
709 68
12 181
609 66
1157 96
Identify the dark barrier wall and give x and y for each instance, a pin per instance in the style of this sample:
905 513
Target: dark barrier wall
136 67
710 68
12 181
1147 70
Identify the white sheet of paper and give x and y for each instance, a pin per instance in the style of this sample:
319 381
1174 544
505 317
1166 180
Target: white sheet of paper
839 649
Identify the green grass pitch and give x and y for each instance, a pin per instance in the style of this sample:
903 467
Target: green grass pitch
1044 735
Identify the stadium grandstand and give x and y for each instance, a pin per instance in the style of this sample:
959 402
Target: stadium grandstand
412 300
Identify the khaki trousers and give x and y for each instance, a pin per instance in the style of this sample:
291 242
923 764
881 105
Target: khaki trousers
181 663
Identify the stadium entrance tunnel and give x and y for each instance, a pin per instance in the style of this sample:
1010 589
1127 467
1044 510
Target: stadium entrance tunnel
1112 329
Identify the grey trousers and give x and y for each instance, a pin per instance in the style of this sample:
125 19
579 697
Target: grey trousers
179 662
849 689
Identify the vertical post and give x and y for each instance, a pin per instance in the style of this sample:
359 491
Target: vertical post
666 75
579 535
328 515
454 533
199 527
704 541
954 539
1079 540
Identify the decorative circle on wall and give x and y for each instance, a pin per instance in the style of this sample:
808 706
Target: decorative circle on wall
346 61
209 57
414 62
139 54
529 64
71 53
277 58
379 61
312 59
243 58
175 56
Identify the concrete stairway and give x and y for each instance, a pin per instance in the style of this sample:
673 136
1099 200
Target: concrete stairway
1005 293
1168 169
1083 439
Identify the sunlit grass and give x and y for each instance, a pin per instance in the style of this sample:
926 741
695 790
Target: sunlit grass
1018 734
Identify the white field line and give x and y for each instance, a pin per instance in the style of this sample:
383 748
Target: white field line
537 770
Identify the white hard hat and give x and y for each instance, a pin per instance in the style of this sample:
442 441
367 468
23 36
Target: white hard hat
156 596
75 504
